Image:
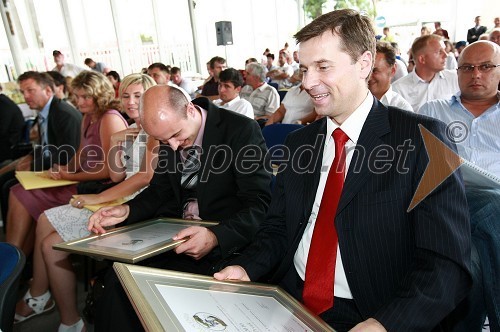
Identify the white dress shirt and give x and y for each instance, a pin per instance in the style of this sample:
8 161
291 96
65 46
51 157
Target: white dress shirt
237 105
391 98
352 128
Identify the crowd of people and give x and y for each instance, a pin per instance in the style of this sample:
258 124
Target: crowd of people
341 229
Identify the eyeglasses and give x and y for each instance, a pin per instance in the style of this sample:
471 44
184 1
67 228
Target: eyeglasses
482 68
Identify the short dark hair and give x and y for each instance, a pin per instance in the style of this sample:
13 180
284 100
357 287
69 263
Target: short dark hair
355 31
56 53
388 51
270 55
59 79
160 66
231 75
216 59
115 75
88 61
175 70
42 79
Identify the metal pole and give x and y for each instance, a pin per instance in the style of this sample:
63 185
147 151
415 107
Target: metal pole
119 39
73 45
14 45
192 18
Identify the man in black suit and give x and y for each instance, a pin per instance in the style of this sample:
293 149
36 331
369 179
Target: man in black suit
474 33
59 132
392 268
232 188
11 126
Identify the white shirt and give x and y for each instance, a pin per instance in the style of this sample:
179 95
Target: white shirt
237 105
298 104
417 91
352 128
69 69
392 98
401 71
284 83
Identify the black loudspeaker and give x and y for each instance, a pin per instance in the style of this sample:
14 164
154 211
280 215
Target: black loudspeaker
224 32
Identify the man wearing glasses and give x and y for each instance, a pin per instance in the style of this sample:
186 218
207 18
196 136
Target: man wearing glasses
473 115
429 80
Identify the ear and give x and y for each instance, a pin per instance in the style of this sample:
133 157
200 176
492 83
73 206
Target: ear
238 89
366 64
421 59
393 70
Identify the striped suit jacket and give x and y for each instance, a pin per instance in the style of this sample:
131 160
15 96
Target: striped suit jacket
408 270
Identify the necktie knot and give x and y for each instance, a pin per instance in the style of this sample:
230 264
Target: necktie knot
340 137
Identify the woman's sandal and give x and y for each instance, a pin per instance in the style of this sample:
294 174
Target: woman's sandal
40 304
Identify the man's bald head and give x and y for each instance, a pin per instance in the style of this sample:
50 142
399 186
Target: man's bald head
168 116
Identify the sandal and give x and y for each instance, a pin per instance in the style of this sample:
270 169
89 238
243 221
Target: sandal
39 305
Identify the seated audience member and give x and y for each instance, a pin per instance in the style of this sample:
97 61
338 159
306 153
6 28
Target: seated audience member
283 73
95 99
424 31
66 69
451 59
97 66
296 107
270 62
60 85
477 108
11 127
440 31
237 200
264 98
230 83
459 46
388 36
211 87
58 125
250 60
380 79
159 72
429 80
115 80
495 36
176 77
339 235
52 268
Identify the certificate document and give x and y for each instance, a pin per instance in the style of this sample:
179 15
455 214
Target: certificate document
175 301
134 243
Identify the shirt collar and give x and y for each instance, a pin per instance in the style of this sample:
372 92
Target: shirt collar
457 100
199 138
44 113
417 79
354 123
232 102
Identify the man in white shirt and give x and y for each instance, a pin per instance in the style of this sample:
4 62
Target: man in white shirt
66 69
429 80
264 98
230 83
380 79
283 73
176 77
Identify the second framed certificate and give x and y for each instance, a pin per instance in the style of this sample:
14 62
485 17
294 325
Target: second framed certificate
175 301
134 243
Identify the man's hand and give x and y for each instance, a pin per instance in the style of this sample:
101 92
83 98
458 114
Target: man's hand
107 216
369 325
201 241
233 272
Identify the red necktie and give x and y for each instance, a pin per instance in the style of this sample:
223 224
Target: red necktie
320 267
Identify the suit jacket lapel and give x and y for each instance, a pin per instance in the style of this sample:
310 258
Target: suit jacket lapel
376 125
310 180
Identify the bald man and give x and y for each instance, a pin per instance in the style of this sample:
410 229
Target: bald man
473 115
233 188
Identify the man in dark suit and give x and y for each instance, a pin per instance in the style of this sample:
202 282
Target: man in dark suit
59 131
474 33
11 126
382 266
232 188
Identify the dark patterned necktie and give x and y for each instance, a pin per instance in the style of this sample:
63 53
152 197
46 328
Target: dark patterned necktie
189 178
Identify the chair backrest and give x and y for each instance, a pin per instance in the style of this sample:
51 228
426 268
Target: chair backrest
275 135
10 270
274 85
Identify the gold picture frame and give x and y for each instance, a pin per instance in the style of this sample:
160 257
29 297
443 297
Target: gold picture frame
133 243
167 300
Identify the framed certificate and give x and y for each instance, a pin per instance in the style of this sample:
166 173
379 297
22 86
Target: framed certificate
174 301
134 243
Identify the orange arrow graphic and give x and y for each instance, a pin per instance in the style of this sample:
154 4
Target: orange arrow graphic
443 161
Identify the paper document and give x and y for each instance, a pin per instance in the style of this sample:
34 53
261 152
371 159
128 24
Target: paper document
39 180
475 176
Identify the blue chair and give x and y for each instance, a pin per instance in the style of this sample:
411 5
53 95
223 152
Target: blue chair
275 135
10 271
282 94
274 85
